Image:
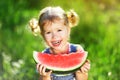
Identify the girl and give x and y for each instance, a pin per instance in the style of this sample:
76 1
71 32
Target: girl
55 25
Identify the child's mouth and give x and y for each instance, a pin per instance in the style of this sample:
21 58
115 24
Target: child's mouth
56 43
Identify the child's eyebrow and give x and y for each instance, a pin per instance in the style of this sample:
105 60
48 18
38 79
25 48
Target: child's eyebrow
46 30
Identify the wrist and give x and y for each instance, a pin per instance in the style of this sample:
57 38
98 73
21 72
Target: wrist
82 76
46 77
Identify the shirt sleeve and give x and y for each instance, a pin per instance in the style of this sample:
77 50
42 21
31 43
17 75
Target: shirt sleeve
47 50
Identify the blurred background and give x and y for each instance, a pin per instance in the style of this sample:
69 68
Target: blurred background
98 32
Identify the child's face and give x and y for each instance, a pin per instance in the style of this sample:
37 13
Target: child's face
56 34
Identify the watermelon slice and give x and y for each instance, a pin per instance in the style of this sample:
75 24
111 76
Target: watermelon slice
62 63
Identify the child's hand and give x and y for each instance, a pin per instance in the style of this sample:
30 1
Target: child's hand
82 73
41 69
86 67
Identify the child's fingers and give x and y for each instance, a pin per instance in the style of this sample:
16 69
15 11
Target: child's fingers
49 72
41 69
87 66
78 71
38 65
44 72
88 61
84 70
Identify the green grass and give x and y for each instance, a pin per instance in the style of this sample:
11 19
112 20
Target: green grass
98 32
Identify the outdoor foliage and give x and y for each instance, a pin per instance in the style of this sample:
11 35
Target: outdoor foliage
98 32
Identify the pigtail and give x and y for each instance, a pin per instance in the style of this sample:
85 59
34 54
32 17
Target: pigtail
33 23
73 18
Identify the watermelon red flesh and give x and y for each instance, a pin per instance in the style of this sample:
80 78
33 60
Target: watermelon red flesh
64 62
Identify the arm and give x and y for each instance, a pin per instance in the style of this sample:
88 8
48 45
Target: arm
44 78
82 73
43 74
79 48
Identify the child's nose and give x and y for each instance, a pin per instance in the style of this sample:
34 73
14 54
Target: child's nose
54 35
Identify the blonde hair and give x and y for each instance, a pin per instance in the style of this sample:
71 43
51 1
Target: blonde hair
50 14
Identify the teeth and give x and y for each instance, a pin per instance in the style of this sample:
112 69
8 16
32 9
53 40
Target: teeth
56 42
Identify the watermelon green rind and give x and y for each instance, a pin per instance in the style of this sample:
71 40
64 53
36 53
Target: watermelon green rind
61 70
35 57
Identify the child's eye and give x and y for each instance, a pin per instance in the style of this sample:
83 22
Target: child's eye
59 30
48 32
